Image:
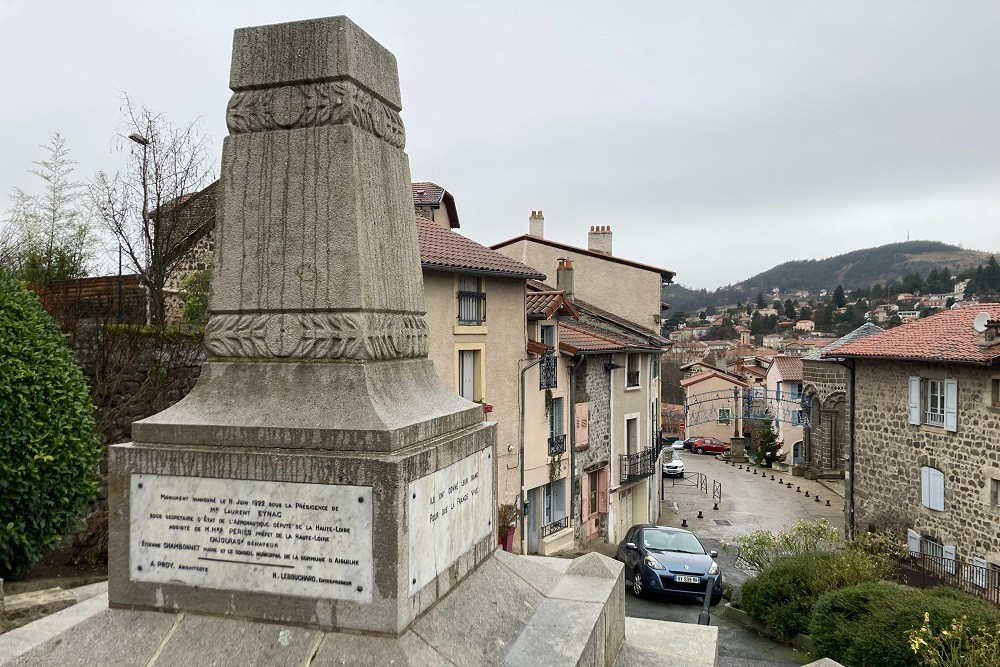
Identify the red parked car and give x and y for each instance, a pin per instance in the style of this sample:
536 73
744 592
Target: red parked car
700 445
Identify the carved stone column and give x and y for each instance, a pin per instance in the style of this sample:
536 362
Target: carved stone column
319 473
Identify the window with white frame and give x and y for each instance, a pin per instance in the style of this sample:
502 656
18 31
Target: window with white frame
932 488
933 402
796 417
632 435
995 492
468 361
631 371
554 501
724 415
548 334
980 571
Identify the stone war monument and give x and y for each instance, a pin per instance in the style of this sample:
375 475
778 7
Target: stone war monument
320 497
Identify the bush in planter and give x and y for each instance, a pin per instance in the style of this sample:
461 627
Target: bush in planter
48 450
869 625
760 549
782 596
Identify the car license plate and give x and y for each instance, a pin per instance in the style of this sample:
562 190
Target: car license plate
685 579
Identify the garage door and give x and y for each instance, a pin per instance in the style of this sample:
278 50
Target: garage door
624 511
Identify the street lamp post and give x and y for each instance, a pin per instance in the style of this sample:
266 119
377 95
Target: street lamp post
144 142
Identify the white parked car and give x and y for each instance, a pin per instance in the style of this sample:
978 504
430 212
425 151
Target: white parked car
674 467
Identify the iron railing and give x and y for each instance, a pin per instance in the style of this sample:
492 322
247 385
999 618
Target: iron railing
557 444
555 526
717 491
925 570
633 467
547 376
471 307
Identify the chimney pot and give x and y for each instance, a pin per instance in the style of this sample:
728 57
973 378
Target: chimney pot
599 239
564 277
536 225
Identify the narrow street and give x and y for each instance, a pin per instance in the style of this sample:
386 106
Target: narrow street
749 502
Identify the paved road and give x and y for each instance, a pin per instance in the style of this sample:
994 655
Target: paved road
738 646
750 502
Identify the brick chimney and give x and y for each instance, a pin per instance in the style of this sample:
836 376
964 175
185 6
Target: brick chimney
599 239
564 277
536 225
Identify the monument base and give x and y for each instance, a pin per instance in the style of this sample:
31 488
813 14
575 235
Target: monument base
512 610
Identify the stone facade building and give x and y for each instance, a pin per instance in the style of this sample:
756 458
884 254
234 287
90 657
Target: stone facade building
826 410
927 424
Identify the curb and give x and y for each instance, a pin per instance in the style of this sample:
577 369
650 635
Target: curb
800 641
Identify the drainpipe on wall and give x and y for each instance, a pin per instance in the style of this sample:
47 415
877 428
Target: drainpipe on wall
850 429
524 534
572 448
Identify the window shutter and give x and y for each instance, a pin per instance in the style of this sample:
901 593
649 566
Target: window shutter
558 499
951 405
914 400
925 486
602 490
937 490
980 571
585 496
913 541
949 558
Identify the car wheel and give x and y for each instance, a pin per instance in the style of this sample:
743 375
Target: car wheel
637 583
700 450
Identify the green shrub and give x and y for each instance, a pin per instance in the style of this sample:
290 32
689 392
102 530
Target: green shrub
869 625
48 450
760 549
782 596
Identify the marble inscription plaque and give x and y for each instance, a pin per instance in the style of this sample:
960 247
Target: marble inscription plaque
450 510
310 540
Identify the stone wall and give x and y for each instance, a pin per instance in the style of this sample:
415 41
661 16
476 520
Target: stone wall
132 376
198 258
826 433
593 385
890 453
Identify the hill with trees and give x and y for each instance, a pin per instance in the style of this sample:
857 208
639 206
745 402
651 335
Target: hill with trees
887 264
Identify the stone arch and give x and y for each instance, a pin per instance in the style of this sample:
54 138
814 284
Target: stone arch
834 410
810 432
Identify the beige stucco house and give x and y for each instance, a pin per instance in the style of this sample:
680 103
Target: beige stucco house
709 405
548 411
601 277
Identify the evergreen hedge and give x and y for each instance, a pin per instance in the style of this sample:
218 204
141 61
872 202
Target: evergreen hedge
782 596
868 625
48 450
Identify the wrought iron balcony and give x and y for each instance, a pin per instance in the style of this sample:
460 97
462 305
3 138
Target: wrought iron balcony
633 467
471 307
557 444
547 376
555 526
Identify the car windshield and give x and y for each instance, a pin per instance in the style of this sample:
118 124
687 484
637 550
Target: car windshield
667 540
676 457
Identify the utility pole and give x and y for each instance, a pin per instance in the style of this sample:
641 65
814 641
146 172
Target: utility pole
146 239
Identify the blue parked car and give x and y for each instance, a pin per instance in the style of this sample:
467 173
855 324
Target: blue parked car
668 560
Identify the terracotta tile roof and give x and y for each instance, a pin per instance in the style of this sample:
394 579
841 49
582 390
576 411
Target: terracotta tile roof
427 193
543 305
445 250
666 274
694 379
575 338
947 336
789 368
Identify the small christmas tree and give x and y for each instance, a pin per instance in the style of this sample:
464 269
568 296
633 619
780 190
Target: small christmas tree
766 443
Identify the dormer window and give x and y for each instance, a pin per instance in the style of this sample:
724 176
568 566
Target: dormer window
471 301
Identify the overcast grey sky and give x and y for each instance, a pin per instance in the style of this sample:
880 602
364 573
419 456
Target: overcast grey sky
717 138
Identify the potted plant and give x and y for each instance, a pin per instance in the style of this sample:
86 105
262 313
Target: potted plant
506 526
